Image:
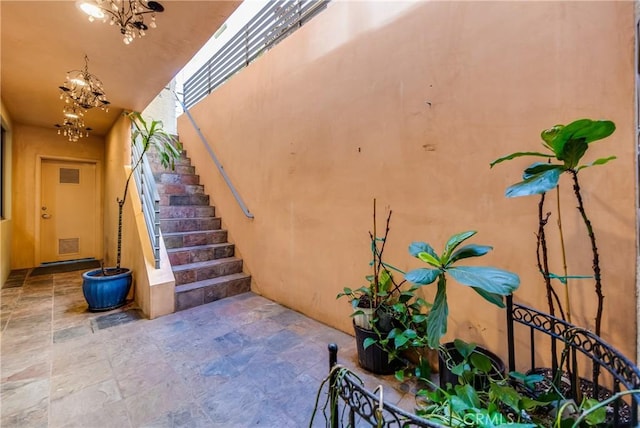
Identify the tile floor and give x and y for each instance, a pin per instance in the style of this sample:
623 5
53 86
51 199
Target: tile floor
238 362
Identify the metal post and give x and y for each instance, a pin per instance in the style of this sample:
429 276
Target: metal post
333 386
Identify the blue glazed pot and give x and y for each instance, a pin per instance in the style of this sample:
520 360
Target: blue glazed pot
104 293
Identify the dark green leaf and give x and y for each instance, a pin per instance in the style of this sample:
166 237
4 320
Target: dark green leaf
453 243
539 167
464 349
400 340
507 395
468 394
535 185
419 318
496 299
573 151
422 276
481 362
517 155
487 278
437 318
596 130
368 342
471 250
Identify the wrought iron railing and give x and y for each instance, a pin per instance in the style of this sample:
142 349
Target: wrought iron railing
351 405
274 22
149 198
575 350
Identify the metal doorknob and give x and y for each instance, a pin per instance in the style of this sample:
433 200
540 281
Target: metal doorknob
46 216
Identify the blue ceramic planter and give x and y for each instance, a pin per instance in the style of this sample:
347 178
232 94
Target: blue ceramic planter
104 293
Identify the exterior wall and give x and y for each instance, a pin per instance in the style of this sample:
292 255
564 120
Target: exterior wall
28 143
6 224
163 107
409 103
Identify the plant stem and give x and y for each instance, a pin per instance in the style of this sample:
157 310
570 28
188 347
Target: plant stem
543 265
594 249
374 247
567 301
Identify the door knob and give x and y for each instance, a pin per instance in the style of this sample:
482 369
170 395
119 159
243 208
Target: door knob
46 216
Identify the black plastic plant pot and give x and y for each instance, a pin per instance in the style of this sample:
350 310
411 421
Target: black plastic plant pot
373 358
480 381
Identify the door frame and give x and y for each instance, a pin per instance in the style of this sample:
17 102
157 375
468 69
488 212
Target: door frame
38 201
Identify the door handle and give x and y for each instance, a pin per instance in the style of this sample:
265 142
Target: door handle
45 216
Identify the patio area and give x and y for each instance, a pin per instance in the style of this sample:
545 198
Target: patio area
238 362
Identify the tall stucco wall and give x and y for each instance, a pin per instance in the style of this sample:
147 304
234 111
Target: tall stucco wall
409 103
29 142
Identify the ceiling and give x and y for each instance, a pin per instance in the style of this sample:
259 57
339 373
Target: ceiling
43 40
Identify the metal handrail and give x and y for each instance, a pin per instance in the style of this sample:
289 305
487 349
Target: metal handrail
213 156
149 198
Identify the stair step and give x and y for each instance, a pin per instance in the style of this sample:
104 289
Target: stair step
190 224
193 239
184 199
180 189
207 291
199 271
200 253
185 169
173 177
186 211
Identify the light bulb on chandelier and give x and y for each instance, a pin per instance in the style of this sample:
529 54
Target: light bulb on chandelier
84 89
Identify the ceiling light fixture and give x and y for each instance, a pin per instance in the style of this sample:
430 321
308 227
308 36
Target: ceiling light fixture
84 89
73 125
127 14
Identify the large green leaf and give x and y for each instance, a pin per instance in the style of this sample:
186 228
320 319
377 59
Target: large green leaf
422 276
496 299
573 151
453 243
548 135
535 185
487 278
421 247
600 161
430 259
437 318
581 129
563 134
540 167
517 155
471 250
595 130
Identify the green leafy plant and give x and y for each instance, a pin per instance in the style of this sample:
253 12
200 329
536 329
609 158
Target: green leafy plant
150 135
567 144
489 282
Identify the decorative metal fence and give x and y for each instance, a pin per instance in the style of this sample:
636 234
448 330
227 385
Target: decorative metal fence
274 22
575 351
149 198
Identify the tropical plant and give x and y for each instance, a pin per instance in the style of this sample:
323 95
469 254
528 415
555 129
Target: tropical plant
489 282
150 134
568 144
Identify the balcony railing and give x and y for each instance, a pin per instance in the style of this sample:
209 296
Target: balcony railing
273 23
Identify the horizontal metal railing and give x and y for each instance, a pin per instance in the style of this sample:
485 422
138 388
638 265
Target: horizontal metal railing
274 22
149 198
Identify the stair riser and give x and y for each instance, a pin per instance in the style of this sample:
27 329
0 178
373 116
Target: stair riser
167 178
176 200
196 238
200 274
192 298
185 169
180 189
175 212
189 224
200 255
155 160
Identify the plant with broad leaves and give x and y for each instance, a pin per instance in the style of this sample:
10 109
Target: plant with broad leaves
568 144
489 282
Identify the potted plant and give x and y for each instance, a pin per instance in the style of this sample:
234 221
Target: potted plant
107 288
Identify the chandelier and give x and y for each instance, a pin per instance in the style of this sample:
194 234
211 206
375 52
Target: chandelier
84 89
73 124
127 14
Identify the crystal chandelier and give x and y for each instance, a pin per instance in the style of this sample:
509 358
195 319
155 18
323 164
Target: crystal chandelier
84 89
73 124
127 14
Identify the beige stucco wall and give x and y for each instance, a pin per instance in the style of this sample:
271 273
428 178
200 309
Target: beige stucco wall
30 144
6 223
408 103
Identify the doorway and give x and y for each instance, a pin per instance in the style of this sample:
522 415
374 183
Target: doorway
69 212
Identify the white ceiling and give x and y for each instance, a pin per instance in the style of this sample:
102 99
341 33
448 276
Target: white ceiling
43 40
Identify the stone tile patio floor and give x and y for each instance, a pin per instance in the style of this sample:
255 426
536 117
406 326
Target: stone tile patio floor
237 362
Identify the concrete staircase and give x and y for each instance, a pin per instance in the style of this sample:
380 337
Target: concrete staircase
203 262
